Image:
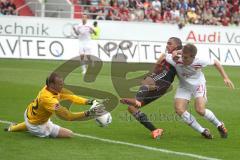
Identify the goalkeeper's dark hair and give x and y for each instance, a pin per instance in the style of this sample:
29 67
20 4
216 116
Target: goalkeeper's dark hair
51 78
178 42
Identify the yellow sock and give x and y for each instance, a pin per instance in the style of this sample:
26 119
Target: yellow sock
18 127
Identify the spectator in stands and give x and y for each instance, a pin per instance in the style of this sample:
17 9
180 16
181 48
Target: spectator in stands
123 12
132 16
175 15
85 2
100 15
93 10
139 13
167 17
210 12
200 3
115 5
109 16
225 21
124 2
182 4
4 6
113 15
192 17
199 15
235 6
139 4
132 4
235 19
11 10
156 4
207 16
102 5
103 2
182 19
159 17
146 4
228 10
7 7
153 15
191 4
1 12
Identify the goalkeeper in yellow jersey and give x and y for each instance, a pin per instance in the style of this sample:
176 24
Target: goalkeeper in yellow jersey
37 115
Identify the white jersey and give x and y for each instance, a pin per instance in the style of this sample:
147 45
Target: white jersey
189 76
84 36
84 32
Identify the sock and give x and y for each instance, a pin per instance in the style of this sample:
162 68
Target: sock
18 127
142 118
209 115
191 121
84 69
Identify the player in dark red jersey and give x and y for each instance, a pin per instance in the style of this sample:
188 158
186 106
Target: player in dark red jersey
154 86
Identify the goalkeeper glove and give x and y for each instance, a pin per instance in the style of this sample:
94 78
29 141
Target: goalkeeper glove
96 110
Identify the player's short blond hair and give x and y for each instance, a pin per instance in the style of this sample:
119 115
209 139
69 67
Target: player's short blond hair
190 48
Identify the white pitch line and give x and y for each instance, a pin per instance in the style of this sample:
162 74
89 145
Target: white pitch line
137 145
5 122
147 147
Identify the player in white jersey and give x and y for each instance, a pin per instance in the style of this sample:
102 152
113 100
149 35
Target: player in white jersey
192 83
83 31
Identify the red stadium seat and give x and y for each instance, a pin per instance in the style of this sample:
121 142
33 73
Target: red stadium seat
26 11
77 9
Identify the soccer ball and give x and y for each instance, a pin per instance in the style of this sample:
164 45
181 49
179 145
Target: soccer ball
104 120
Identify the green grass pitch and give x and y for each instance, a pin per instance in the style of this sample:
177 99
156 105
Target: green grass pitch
20 81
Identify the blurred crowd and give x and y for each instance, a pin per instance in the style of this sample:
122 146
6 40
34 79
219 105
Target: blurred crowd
7 7
181 12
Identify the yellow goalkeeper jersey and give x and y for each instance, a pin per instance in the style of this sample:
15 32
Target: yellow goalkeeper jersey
45 104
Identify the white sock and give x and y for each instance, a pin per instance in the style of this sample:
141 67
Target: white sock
211 118
191 121
84 69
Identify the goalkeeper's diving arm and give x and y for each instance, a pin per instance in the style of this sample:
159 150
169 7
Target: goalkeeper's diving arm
97 109
65 114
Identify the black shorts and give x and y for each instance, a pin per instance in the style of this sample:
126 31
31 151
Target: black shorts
147 95
162 80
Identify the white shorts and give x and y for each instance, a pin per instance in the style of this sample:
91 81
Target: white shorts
48 129
85 48
197 91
